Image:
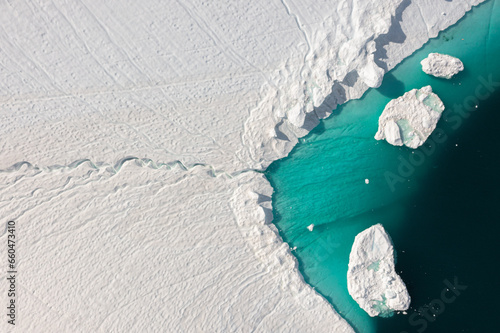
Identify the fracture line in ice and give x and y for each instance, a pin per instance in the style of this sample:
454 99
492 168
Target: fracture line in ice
115 168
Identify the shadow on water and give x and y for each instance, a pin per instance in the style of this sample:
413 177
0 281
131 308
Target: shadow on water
392 87
318 130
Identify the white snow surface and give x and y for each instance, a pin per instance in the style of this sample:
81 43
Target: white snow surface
410 119
132 133
442 65
371 279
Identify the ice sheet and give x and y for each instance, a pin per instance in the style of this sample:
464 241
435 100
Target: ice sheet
198 94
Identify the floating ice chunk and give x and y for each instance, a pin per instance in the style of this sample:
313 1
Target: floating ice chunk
411 118
441 65
371 279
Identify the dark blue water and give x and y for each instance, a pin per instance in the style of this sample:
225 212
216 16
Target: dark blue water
451 230
440 203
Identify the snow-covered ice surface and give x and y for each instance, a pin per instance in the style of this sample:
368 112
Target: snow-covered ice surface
442 65
101 251
131 136
410 119
371 279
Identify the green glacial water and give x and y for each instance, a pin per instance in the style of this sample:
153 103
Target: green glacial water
440 203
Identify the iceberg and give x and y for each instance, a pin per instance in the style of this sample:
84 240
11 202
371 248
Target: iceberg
410 119
442 65
371 279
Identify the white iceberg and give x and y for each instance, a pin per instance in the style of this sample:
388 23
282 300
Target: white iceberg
371 279
442 65
411 118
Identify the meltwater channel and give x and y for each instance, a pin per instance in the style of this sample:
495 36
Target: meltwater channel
440 203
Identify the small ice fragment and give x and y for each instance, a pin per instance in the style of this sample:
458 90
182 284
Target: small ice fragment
442 65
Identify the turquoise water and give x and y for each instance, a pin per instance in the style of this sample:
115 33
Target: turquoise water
438 203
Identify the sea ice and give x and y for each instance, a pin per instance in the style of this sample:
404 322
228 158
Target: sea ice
442 65
371 279
411 118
